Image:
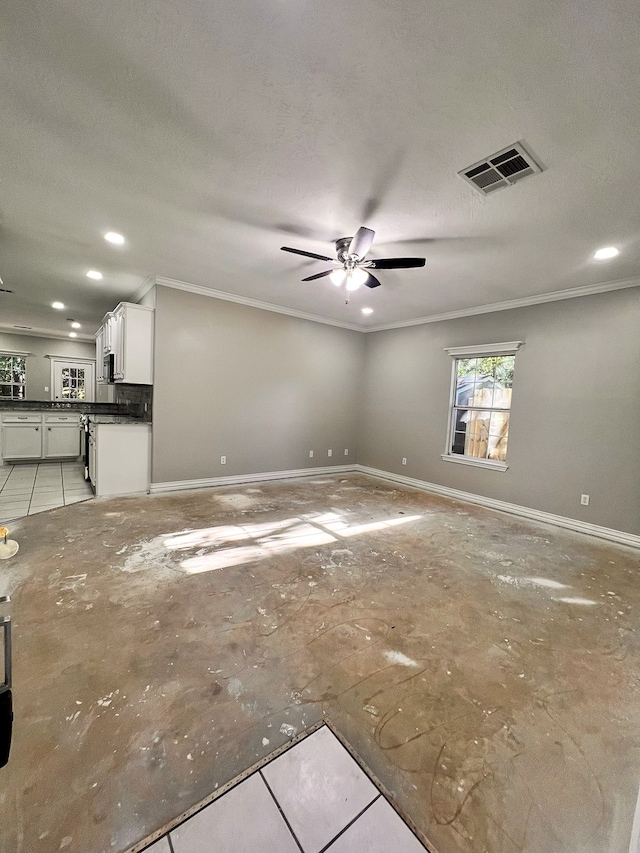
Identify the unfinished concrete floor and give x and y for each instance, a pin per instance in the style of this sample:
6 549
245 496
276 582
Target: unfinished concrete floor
484 668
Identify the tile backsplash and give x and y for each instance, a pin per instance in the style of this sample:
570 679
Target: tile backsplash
134 400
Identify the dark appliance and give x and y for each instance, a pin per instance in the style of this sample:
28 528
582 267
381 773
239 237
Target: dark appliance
109 365
6 701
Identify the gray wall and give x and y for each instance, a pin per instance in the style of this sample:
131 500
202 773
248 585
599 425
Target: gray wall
39 367
575 422
259 387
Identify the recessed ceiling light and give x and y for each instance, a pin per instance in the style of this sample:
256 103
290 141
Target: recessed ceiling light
606 253
95 275
73 334
75 325
57 305
114 238
367 310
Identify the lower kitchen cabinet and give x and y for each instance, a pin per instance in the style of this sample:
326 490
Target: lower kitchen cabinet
120 458
21 441
39 435
61 441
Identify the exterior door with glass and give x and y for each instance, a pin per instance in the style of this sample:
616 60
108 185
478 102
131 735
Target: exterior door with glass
73 380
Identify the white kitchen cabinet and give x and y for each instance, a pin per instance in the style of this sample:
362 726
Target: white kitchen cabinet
61 441
120 458
132 344
39 435
100 377
21 441
107 333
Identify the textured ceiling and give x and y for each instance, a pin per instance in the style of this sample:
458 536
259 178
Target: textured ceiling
211 133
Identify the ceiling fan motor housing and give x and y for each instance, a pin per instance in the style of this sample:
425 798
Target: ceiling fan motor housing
342 247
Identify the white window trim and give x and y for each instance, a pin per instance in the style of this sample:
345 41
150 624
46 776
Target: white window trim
493 464
478 351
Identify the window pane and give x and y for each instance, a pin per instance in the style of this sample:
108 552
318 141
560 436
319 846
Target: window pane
18 392
477 434
465 379
458 442
498 435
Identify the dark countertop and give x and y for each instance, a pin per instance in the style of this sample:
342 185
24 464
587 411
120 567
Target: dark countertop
118 419
52 405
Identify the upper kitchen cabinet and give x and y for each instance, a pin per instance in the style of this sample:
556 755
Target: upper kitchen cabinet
100 371
124 345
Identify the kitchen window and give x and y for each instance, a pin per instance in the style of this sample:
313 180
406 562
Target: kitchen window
480 406
13 376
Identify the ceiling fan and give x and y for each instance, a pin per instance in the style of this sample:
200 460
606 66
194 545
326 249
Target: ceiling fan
351 267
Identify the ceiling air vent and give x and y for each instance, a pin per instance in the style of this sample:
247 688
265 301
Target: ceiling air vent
4 290
23 327
501 170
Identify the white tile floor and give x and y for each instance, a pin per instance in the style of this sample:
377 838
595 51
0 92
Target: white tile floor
314 798
29 488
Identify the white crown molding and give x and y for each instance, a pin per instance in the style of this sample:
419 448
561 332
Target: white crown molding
237 479
539 299
144 288
485 349
507 305
44 333
240 300
621 537
15 352
525 301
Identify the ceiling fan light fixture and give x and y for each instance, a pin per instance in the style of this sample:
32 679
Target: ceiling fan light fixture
338 277
356 278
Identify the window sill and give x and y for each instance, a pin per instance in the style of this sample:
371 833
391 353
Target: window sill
476 463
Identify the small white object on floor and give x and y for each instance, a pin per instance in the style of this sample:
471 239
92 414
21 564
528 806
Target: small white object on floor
8 547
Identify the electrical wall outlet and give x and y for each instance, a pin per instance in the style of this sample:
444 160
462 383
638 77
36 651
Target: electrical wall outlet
311 454
584 500
346 451
404 460
223 460
329 452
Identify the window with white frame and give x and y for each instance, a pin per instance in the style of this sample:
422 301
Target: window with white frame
13 376
480 409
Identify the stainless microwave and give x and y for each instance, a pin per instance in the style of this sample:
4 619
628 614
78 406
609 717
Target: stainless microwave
108 367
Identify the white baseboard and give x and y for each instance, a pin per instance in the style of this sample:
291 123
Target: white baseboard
237 479
618 536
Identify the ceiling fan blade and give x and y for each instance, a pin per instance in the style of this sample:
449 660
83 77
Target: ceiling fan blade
361 242
317 275
372 281
306 254
396 263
